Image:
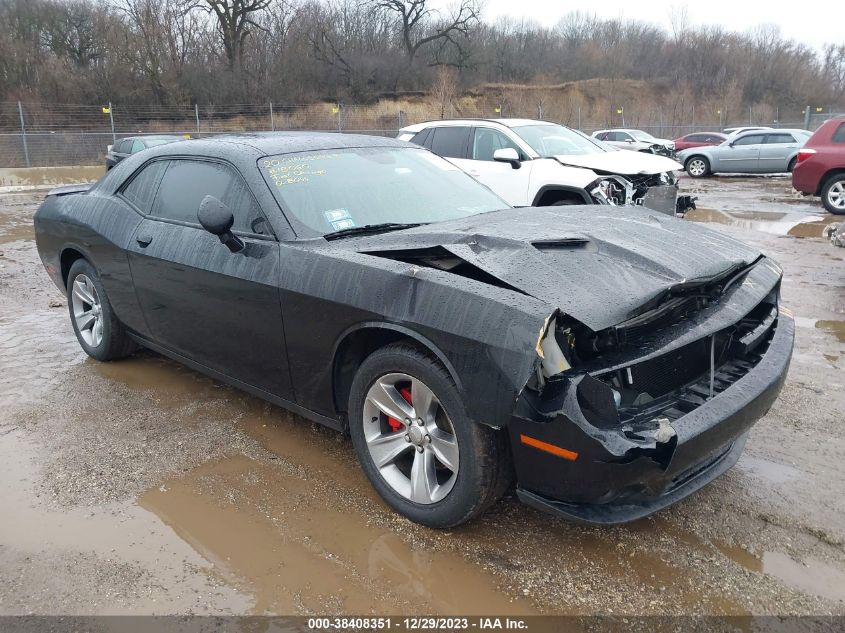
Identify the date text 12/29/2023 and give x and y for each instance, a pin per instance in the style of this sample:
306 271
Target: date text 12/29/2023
422 623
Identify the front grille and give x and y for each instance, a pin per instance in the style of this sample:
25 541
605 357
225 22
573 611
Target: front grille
677 383
665 373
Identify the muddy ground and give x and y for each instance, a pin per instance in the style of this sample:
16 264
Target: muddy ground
142 487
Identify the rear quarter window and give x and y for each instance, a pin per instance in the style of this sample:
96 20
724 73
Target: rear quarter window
141 189
420 137
839 134
773 139
450 142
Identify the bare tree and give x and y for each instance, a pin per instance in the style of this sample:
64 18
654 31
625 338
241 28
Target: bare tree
445 88
234 19
419 24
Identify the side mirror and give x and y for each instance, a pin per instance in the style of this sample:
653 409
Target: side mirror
629 140
507 155
216 218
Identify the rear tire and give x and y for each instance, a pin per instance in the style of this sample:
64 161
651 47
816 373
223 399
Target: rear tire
477 469
791 165
833 194
97 329
697 167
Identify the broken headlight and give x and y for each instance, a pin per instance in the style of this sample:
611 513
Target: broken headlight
667 178
613 190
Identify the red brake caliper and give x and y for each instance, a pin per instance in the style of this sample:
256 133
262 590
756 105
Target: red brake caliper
395 424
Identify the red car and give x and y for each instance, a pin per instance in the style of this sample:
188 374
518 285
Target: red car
699 139
820 170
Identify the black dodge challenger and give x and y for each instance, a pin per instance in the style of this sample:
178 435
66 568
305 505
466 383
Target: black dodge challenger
610 360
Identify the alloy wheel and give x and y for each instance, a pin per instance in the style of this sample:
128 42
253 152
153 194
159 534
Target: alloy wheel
696 167
87 310
410 438
836 195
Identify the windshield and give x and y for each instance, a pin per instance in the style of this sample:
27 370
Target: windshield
553 140
641 136
327 191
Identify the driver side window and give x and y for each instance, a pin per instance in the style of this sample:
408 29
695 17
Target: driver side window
187 182
486 141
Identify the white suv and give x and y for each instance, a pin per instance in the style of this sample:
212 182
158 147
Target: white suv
535 163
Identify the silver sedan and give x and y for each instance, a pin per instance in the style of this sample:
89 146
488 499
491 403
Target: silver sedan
753 152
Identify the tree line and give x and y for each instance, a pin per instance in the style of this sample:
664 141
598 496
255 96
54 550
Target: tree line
178 52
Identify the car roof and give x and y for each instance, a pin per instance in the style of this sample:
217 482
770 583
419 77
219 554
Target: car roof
151 137
771 130
456 122
271 143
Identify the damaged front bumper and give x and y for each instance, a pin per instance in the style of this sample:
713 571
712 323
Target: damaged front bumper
568 462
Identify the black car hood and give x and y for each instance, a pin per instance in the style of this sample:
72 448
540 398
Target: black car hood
600 265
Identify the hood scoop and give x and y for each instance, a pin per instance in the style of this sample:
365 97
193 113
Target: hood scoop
566 244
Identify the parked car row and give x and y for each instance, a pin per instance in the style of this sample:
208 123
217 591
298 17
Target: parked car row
537 163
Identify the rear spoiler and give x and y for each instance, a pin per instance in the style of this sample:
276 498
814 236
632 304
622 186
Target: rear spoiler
68 189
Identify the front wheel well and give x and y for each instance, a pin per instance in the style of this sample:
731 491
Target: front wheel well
549 197
359 344
68 257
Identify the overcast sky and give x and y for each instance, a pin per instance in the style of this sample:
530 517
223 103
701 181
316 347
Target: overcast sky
814 23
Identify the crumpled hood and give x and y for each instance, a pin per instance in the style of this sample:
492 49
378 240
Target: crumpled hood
598 264
624 163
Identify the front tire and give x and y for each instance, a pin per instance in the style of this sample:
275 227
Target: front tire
698 167
415 443
833 194
97 329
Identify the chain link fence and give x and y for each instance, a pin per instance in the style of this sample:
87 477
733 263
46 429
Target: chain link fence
40 135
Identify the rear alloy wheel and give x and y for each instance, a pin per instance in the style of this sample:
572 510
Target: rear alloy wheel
697 167
833 194
96 327
416 444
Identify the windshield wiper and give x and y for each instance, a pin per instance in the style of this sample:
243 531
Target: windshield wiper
371 229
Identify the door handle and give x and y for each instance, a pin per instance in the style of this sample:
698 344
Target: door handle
144 239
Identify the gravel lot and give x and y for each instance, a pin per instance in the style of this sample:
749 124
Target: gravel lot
141 487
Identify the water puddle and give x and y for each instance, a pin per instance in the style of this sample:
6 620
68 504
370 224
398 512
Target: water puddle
102 539
171 384
810 575
832 327
270 530
16 231
776 223
772 472
36 349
